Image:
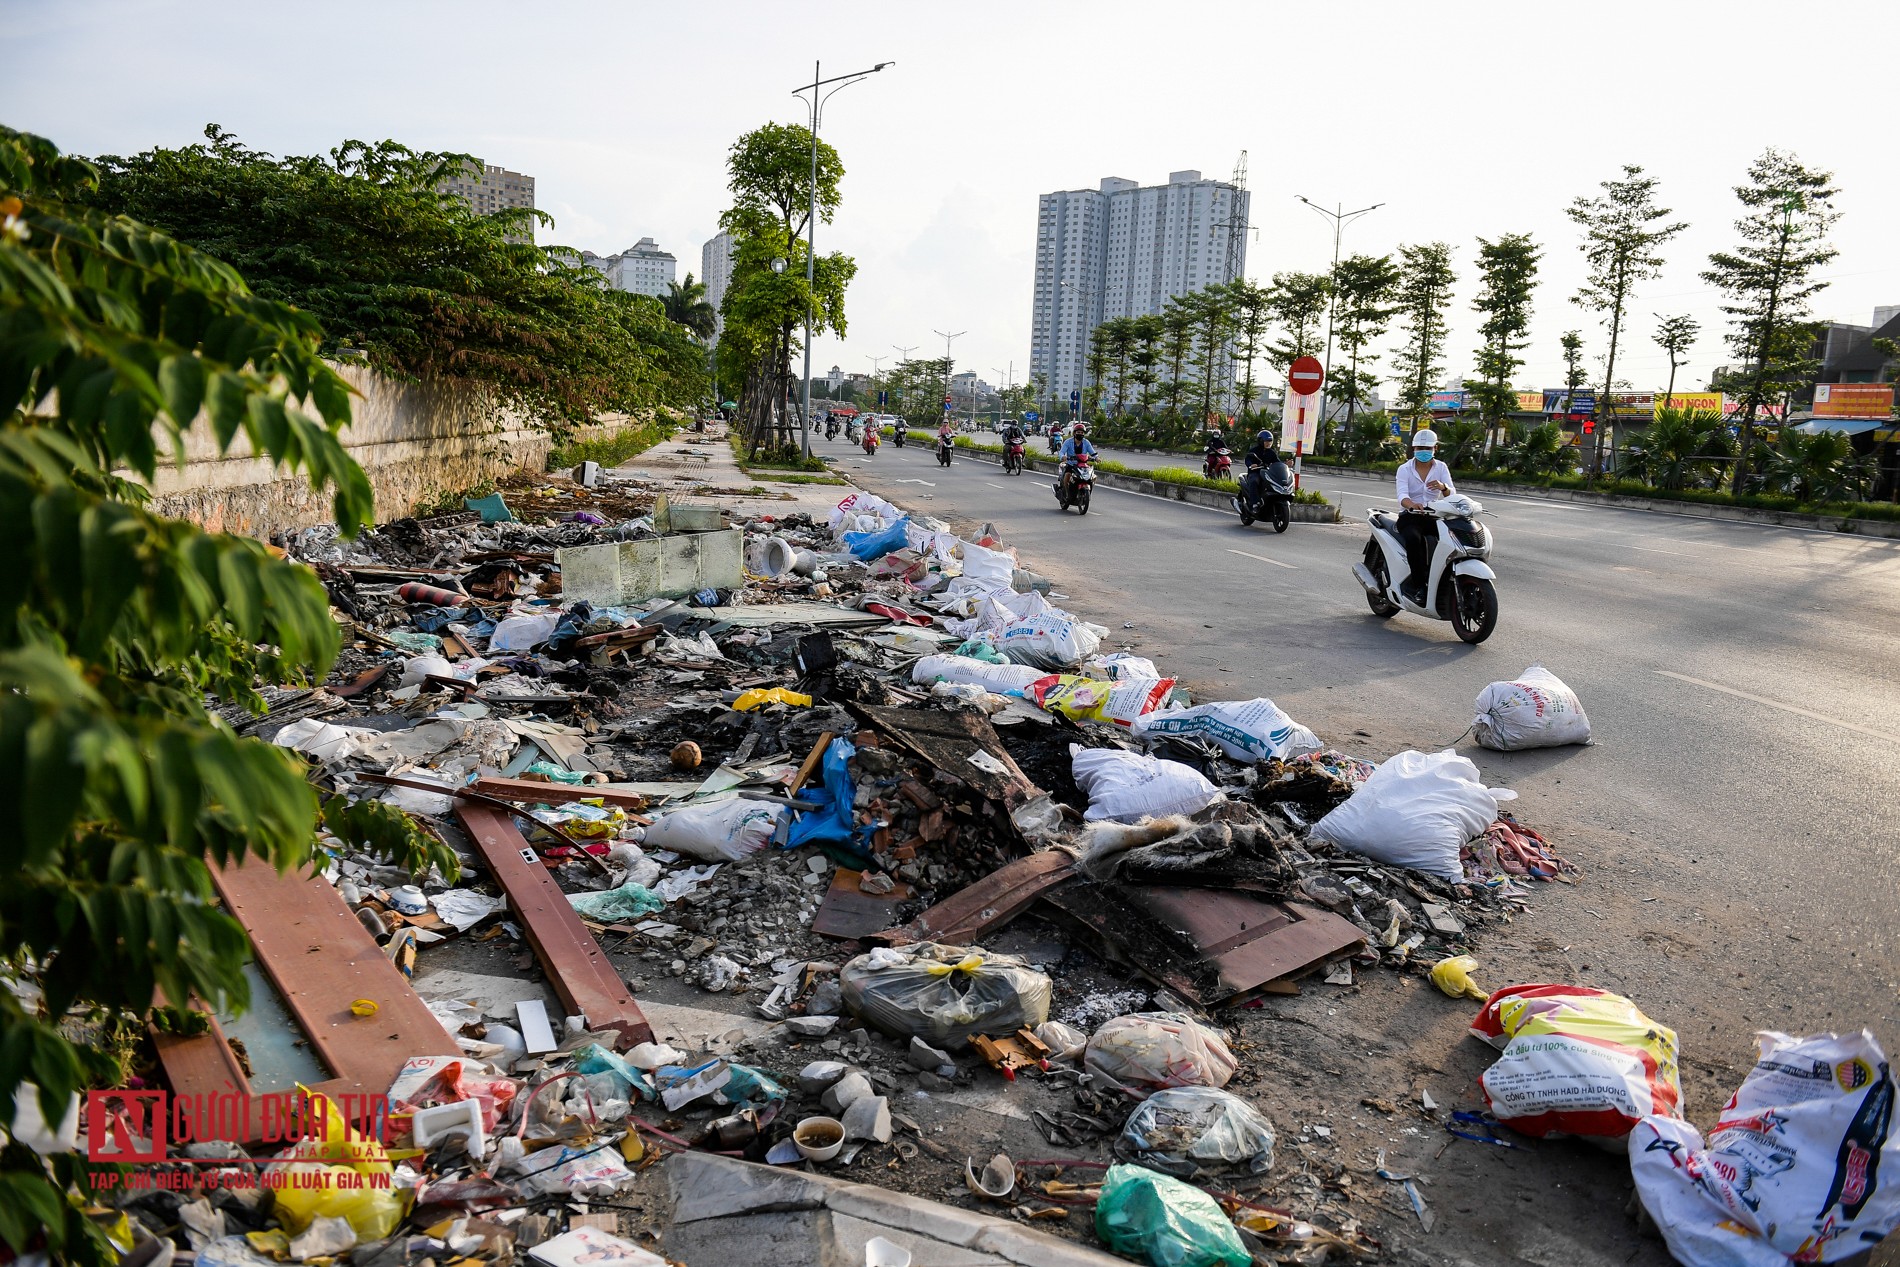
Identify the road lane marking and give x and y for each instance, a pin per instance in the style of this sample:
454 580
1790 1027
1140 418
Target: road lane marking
925 483
1264 559
1004 487
1646 549
1786 708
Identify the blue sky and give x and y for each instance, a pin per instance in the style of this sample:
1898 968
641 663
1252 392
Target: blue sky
1465 119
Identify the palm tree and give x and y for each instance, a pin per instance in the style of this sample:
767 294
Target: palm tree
1682 448
1818 468
685 304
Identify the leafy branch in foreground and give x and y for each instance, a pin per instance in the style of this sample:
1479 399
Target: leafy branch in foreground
119 789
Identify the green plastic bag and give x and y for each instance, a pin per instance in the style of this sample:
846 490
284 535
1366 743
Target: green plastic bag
1167 1223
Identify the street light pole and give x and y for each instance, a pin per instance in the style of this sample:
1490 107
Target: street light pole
811 219
1340 218
874 360
904 354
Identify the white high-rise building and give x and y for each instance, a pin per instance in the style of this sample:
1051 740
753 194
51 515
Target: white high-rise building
715 269
641 269
1124 250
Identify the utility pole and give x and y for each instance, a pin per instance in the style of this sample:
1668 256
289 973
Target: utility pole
811 217
1340 218
905 354
875 407
947 339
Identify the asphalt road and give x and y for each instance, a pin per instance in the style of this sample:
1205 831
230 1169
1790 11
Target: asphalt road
1739 815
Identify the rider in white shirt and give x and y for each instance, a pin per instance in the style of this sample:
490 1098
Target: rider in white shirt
1421 482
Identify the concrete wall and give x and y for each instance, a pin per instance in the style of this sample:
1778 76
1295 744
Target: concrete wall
416 442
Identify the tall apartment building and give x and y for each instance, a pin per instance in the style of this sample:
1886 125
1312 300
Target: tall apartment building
641 269
1123 250
715 269
488 188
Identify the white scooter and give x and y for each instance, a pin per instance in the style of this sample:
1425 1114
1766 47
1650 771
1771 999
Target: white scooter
1459 583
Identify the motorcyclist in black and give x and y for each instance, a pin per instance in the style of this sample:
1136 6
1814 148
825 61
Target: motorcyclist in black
1215 438
1260 456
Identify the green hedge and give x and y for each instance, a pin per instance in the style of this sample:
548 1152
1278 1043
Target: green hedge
1162 475
613 449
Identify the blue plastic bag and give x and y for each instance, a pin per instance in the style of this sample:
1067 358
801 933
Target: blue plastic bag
1164 1222
594 1058
491 508
866 546
835 793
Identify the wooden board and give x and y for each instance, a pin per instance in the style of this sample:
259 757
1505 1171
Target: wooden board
848 912
321 959
988 904
948 741
529 791
582 974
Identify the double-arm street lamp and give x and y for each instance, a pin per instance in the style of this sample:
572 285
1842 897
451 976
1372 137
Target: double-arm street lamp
1340 218
817 103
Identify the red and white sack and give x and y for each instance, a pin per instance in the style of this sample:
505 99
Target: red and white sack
1536 710
1801 1167
1575 1061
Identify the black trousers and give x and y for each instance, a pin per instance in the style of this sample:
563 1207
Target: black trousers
1418 531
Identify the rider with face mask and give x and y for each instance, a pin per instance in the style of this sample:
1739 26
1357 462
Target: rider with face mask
1421 482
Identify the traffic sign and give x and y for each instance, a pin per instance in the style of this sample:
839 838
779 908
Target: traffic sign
1075 401
1306 376
1031 416
883 399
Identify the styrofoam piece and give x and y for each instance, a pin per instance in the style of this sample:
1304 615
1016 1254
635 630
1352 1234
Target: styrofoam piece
438 1122
532 1016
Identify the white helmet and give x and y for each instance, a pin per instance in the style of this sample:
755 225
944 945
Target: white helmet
1426 439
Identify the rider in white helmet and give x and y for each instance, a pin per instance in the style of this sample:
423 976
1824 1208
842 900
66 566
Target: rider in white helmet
1421 482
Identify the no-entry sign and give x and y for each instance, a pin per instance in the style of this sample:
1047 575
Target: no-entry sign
1305 376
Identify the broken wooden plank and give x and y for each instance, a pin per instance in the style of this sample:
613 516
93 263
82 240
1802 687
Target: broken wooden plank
321 959
948 741
980 908
528 790
810 766
582 974
849 913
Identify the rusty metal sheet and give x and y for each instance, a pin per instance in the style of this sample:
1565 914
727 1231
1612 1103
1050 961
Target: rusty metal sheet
979 908
582 974
1212 946
948 740
321 959
848 912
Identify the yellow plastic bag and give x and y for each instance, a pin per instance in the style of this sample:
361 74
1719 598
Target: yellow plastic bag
340 1175
757 698
1453 976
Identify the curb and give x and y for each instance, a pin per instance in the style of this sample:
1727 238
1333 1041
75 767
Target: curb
1302 512
1886 528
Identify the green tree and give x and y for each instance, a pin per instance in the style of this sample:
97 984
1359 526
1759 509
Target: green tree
770 172
1252 308
1682 448
1817 468
1096 365
1574 377
1213 322
1368 441
685 304
1177 319
1422 296
119 788
1297 302
1538 449
1623 235
1461 443
1675 336
1507 278
1787 209
410 279
1145 359
1363 287
1116 340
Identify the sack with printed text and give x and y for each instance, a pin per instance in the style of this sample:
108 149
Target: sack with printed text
1534 711
1090 699
1576 1061
1801 1167
1054 641
1246 730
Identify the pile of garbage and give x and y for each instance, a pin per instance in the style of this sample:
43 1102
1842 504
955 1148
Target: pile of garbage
819 766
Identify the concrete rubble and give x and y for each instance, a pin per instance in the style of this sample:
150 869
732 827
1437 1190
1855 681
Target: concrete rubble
781 821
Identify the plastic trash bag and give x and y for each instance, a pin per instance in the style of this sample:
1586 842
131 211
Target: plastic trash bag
1161 1221
629 901
1123 666
1184 1130
523 633
1054 642
846 515
1801 1166
944 994
985 568
1536 710
1417 810
835 791
866 546
1246 730
718 831
340 1175
1577 1061
1091 699
1065 1042
759 697
1128 786
969 671
1145 1052
629 1081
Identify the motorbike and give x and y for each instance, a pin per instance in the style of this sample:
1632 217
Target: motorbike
1459 584
1055 442
1013 456
1266 493
943 450
1075 484
897 434
1218 464
871 441
831 428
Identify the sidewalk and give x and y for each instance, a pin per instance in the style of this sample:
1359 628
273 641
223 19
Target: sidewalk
695 468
